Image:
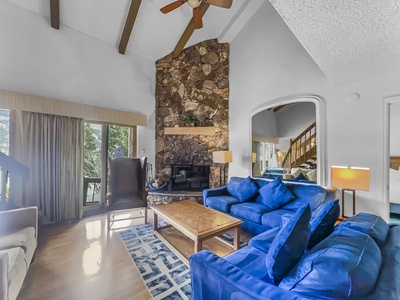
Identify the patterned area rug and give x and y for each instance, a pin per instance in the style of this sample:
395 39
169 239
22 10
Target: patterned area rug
164 274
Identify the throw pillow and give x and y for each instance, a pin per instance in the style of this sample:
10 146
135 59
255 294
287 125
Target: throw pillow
276 194
323 223
312 175
233 182
300 177
245 190
295 172
289 245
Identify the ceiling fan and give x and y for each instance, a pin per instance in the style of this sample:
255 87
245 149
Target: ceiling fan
198 23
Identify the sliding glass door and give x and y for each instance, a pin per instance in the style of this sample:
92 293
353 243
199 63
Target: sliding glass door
102 141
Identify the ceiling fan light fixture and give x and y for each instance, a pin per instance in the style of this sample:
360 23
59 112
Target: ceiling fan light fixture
193 3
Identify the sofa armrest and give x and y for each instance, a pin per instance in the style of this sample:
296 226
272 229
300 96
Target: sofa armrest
3 276
217 279
220 191
19 218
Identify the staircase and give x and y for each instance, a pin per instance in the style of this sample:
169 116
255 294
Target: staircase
11 166
301 149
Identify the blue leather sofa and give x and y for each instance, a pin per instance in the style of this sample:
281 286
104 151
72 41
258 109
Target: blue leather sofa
360 259
261 209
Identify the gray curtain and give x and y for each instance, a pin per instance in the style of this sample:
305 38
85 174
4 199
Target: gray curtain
52 147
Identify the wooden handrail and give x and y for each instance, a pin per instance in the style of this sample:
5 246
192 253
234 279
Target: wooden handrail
9 165
302 148
309 128
13 166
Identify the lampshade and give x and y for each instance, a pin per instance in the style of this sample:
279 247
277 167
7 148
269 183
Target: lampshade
253 157
350 178
222 157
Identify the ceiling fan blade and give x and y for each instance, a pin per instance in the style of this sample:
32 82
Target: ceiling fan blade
172 6
197 19
220 3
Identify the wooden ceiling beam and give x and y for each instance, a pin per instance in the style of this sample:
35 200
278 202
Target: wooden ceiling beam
279 107
188 32
55 14
130 21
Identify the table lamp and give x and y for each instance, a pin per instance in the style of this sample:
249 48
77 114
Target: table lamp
222 158
350 179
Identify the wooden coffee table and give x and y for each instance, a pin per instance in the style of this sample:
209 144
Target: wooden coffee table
196 222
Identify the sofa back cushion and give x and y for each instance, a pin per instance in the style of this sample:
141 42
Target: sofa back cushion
345 264
388 284
305 194
275 194
370 224
323 222
289 245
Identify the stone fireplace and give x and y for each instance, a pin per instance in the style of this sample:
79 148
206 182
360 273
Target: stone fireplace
197 82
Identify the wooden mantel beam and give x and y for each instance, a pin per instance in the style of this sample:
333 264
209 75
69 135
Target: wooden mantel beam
55 14
188 32
130 21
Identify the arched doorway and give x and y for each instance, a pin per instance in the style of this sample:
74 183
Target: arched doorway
320 117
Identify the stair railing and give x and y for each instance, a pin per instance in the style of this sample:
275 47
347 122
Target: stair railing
11 166
302 148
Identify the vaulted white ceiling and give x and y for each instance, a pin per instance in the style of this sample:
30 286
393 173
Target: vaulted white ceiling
154 34
349 40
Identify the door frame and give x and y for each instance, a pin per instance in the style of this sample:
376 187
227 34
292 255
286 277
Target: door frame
387 102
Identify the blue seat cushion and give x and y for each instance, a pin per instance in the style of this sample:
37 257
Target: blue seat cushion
251 211
221 203
251 261
274 218
275 194
370 224
323 222
345 264
305 194
289 245
244 190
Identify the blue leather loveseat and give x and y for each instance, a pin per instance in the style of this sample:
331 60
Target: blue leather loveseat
360 259
262 204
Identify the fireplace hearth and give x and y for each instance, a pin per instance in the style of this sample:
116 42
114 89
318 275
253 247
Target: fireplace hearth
190 177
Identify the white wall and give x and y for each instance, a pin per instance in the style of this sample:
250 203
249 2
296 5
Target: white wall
68 65
263 124
267 62
294 119
288 122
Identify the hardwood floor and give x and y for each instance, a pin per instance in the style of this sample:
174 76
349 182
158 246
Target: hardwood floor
81 260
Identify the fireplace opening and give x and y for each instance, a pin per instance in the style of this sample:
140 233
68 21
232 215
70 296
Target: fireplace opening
190 177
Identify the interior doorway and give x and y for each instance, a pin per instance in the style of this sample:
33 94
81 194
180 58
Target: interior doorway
319 115
392 160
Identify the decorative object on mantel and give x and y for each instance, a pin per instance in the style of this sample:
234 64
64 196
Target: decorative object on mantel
222 158
190 120
350 179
